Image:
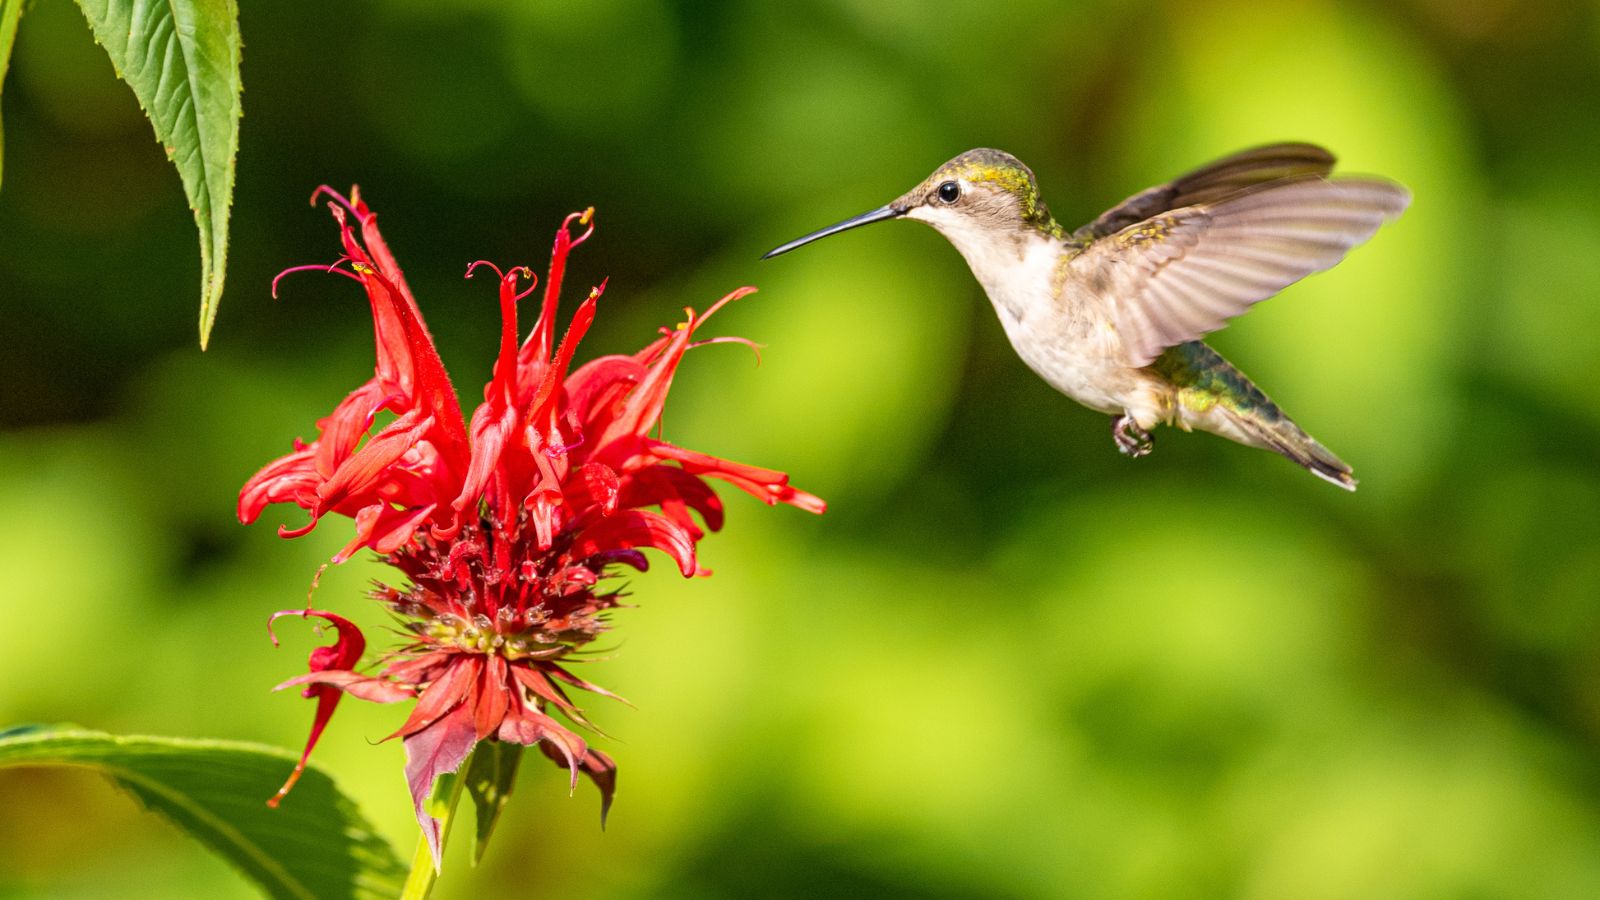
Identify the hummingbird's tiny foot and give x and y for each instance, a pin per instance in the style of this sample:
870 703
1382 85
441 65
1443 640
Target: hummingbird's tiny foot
1132 441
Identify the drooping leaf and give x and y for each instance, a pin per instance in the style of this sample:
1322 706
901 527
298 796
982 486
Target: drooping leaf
491 776
181 57
10 13
316 845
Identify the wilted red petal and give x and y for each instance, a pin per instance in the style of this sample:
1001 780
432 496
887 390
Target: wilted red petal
439 749
343 653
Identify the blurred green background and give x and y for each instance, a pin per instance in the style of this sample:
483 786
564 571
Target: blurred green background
1008 662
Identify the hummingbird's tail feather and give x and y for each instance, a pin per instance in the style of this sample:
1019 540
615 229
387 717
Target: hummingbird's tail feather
1214 396
1288 439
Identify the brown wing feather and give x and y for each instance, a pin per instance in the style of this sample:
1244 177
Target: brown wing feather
1186 272
1212 182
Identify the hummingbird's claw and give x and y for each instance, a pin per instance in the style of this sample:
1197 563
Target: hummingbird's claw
1132 441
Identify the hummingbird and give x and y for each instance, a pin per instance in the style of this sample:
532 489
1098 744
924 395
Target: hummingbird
1111 314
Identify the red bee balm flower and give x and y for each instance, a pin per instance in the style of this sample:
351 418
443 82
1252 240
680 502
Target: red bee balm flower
505 527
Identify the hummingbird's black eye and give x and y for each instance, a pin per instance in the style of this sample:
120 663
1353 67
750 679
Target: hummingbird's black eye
949 192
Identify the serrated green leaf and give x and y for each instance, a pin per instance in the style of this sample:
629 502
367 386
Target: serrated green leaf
315 845
181 57
10 13
491 775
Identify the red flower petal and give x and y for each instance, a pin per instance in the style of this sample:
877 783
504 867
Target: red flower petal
606 378
675 491
536 350
362 471
384 529
635 528
767 485
289 479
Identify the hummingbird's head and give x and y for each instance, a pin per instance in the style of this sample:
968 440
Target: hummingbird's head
983 188
974 200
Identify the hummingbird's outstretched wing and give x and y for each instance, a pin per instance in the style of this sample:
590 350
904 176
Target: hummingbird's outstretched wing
1228 175
1186 272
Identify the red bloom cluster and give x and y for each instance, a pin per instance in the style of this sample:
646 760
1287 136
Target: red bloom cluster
505 526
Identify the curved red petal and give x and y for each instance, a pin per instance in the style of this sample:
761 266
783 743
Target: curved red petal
344 653
674 490
634 528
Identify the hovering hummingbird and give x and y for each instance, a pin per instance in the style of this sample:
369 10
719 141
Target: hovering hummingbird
1111 314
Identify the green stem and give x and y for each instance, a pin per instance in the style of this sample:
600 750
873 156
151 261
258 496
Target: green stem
419 884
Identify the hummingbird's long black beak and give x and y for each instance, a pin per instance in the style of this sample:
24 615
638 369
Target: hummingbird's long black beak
866 218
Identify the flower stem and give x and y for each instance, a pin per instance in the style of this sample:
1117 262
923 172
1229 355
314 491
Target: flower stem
419 884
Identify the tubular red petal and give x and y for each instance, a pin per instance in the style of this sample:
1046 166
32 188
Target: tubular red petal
342 654
768 485
473 267
379 248
504 384
337 197
539 343
433 390
594 392
384 529
491 430
542 411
